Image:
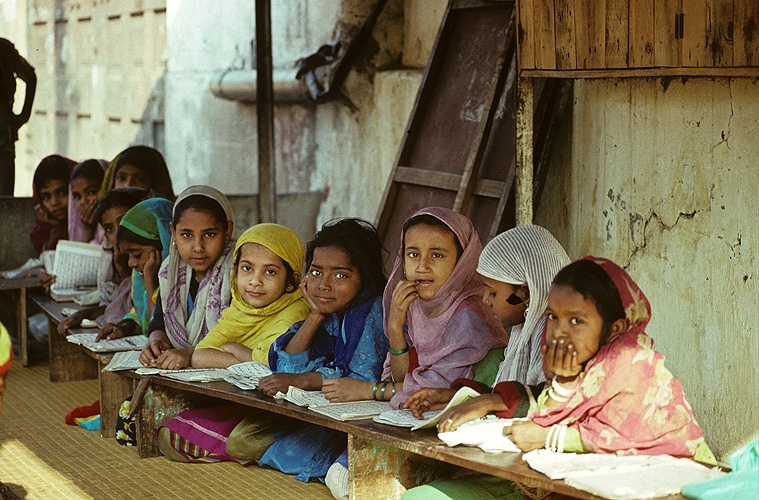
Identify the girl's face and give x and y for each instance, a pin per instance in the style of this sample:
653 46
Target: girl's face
110 222
429 256
55 198
261 275
138 254
131 176
573 320
200 239
332 281
496 295
85 192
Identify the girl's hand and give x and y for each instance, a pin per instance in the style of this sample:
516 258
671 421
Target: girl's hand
470 410
150 271
152 351
174 359
403 295
87 214
309 300
110 332
560 358
47 281
70 322
43 216
277 382
527 435
340 390
427 399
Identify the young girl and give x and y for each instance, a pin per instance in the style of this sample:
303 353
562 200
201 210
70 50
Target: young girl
610 391
340 339
195 281
517 268
138 166
265 299
145 236
84 185
50 195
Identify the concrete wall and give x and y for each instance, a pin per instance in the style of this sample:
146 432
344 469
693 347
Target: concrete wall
660 175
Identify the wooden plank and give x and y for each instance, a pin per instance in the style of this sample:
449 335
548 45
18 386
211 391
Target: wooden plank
746 33
617 31
524 165
450 182
114 389
590 17
719 35
525 34
666 46
641 37
545 34
707 71
694 41
566 55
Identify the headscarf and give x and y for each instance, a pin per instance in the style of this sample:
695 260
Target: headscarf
214 291
154 165
428 320
6 350
43 233
627 401
149 219
76 226
242 317
524 254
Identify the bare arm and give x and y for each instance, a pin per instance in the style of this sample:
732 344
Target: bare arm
25 72
213 358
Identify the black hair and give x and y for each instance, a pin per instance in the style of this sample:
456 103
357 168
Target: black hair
89 169
204 204
360 240
53 167
127 235
591 281
430 220
146 159
122 197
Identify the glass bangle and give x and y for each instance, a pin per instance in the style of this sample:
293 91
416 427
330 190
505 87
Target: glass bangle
398 352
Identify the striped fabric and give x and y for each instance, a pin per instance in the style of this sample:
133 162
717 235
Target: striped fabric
524 254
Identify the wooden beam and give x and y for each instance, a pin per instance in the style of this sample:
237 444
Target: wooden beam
267 178
524 170
752 71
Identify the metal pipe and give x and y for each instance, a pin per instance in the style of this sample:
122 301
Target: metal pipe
242 85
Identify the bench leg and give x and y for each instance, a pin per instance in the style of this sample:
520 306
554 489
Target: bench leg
160 405
68 362
114 389
377 470
21 323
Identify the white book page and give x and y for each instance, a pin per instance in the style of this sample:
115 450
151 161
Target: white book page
125 360
404 418
252 369
353 410
310 399
81 338
133 343
76 265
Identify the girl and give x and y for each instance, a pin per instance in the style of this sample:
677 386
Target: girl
340 339
138 166
195 281
50 187
610 391
517 268
145 236
84 185
265 300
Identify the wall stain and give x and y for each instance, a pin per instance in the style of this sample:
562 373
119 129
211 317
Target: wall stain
663 226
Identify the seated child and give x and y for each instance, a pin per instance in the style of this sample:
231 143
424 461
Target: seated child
141 167
609 392
145 236
340 339
195 281
84 185
517 268
50 186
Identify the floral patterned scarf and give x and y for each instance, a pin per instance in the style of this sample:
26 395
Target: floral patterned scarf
627 401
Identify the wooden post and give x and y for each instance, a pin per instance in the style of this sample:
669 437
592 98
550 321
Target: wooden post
68 362
267 179
114 389
21 327
524 165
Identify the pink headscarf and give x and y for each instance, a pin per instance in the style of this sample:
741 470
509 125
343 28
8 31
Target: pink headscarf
76 226
627 401
462 329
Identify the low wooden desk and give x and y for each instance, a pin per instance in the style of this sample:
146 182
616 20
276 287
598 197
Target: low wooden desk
384 460
20 285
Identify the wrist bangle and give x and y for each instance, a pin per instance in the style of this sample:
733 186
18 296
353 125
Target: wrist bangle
393 394
398 352
382 391
374 391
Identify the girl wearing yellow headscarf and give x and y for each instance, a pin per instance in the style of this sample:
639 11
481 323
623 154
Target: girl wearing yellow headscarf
266 299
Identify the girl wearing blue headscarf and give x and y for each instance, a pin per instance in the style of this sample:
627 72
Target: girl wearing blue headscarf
145 235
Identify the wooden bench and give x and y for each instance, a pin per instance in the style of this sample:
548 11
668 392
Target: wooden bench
384 460
69 362
20 286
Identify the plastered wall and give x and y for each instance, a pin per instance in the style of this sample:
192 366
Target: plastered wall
662 175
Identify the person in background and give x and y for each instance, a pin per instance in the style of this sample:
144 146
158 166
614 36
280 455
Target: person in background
141 167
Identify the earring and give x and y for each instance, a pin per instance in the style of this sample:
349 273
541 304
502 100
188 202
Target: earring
527 309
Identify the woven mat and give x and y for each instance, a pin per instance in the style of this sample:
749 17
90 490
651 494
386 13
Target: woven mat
43 458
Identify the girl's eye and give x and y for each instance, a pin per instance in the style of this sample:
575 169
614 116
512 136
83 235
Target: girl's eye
210 234
186 235
341 276
550 316
91 192
575 321
76 196
46 196
412 255
271 272
437 255
315 272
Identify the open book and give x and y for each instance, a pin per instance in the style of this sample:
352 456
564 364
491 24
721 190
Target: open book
75 266
404 418
316 401
87 340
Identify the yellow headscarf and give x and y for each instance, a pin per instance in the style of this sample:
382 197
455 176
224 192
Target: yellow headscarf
6 353
258 327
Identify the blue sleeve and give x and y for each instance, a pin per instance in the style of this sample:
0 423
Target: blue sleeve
283 362
366 362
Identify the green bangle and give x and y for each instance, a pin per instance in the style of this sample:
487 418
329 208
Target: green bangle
398 352
393 390
374 391
382 392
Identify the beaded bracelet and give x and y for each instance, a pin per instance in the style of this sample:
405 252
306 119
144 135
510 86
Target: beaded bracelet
398 352
374 391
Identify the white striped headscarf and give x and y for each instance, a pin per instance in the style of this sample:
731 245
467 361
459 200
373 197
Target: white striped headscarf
524 254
